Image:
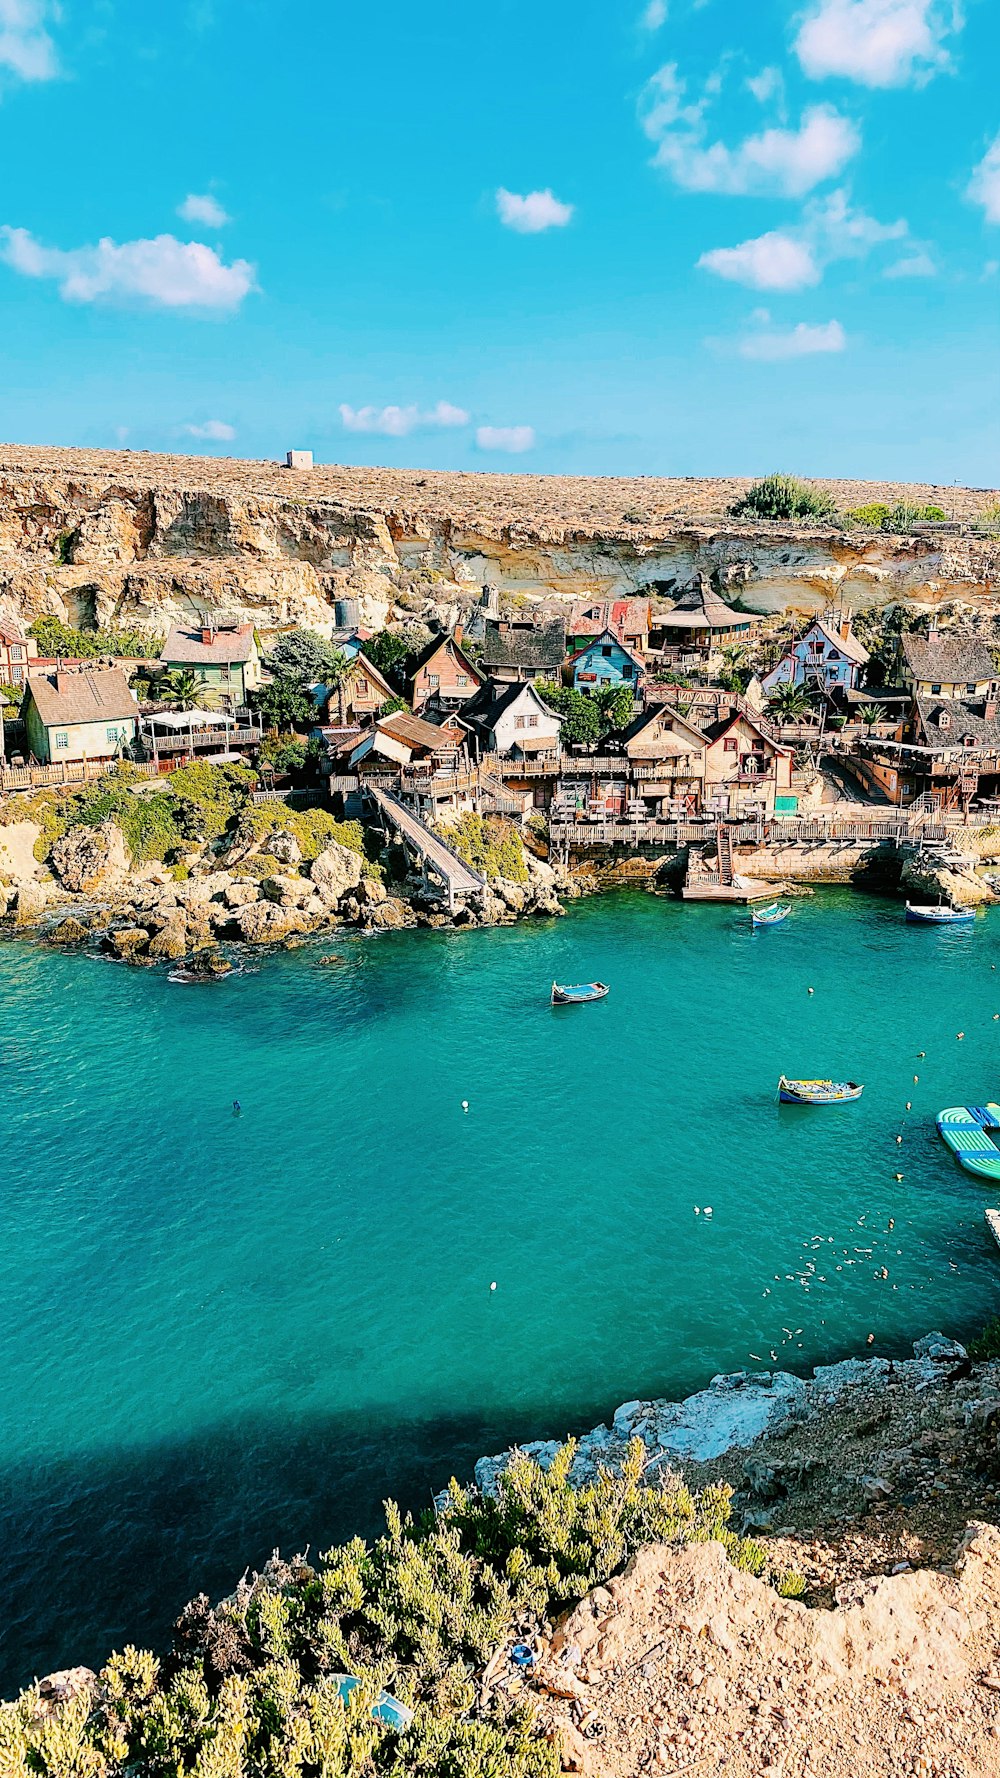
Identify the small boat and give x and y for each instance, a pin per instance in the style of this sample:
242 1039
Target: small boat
943 915
579 994
770 916
818 1092
972 1132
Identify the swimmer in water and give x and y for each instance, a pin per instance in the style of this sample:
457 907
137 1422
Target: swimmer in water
237 1108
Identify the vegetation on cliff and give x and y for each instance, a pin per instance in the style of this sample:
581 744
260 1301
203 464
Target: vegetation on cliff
249 1688
783 497
490 844
877 516
59 639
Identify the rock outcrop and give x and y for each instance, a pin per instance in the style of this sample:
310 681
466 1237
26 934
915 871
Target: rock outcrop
137 539
89 859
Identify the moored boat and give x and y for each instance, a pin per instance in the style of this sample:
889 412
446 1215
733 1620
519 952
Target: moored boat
944 915
972 1132
770 916
579 994
818 1092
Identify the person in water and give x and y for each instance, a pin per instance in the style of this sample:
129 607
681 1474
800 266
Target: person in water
237 1108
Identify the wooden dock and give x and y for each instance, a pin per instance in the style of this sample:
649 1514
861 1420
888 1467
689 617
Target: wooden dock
744 891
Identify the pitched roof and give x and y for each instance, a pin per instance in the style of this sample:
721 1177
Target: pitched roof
362 664
963 721
489 704
590 618
948 658
714 731
646 717
511 647
848 645
11 638
414 731
185 646
700 608
598 640
434 647
90 695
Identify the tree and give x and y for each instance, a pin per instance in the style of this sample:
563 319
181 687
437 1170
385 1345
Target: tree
582 724
180 689
284 703
391 654
871 714
305 656
617 706
391 705
783 497
735 672
790 702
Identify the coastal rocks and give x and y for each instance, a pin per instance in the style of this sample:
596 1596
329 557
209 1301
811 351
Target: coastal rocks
30 903
128 943
70 931
732 1412
336 872
239 895
285 848
170 943
88 859
925 878
57 1692
264 922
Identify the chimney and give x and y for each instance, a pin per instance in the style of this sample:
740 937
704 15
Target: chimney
459 632
845 627
63 677
207 635
990 708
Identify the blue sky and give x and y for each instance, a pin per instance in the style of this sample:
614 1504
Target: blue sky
684 237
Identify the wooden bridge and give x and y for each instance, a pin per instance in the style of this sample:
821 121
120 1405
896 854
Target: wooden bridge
437 860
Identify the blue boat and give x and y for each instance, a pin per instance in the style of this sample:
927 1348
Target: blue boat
818 1092
578 995
770 916
939 916
972 1132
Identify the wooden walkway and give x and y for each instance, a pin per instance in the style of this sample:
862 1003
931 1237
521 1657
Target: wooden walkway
459 879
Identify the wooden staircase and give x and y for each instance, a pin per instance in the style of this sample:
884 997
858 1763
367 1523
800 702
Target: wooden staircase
725 849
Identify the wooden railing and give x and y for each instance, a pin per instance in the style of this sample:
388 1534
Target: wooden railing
190 740
35 777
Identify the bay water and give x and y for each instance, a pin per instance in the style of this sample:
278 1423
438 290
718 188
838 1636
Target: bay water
224 1333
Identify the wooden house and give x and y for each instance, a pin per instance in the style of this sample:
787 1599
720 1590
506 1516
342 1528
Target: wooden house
514 652
628 619
666 756
948 749
745 767
223 659
402 739
944 665
79 714
17 653
700 625
444 674
513 720
604 664
828 657
358 695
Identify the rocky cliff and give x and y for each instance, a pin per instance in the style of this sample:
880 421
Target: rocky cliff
136 539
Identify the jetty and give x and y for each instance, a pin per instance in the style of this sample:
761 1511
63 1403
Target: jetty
435 857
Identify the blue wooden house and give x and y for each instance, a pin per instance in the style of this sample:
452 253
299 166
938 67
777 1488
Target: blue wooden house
605 663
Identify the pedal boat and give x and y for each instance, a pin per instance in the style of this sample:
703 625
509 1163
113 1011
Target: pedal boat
972 1132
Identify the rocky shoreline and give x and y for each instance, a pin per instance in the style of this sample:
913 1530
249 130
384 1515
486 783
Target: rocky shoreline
262 893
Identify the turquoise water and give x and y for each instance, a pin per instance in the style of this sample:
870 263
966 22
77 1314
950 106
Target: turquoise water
224 1333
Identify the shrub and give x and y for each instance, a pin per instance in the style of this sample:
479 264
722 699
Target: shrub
56 638
783 497
285 703
791 1584
989 518
582 720
898 518
307 656
490 844
986 1344
313 829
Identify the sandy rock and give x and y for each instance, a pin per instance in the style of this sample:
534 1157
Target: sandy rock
130 943
171 942
68 932
30 903
239 895
390 915
284 847
370 892
91 858
336 872
58 1690
265 922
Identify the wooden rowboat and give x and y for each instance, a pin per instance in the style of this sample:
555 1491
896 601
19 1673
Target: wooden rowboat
579 994
771 916
818 1092
972 1132
937 916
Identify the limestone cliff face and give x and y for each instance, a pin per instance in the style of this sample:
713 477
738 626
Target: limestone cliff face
137 539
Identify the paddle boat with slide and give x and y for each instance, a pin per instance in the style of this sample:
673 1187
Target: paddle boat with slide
818 1092
972 1132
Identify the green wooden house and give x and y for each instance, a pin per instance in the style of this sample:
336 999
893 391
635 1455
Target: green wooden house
225 661
81 713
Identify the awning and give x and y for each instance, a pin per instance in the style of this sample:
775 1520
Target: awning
181 719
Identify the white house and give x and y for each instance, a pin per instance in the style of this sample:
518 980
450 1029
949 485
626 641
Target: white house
827 657
513 719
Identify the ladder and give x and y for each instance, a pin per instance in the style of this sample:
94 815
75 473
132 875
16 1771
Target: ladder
725 850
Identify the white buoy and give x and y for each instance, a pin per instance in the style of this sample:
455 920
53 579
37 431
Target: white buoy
465 1104
697 1209
493 1285
708 1209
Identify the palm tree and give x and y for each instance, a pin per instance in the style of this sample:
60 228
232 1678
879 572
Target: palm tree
870 714
181 689
790 702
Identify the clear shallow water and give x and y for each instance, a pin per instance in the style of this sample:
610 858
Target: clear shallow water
219 1334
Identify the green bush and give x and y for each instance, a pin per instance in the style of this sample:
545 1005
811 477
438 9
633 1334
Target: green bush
490 844
899 518
783 497
583 723
312 829
56 638
791 1584
247 1691
986 1344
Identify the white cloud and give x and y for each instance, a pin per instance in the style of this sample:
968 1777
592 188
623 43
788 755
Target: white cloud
794 342
398 422
768 84
795 258
984 186
771 262
531 214
785 162
26 48
914 265
204 209
654 16
877 42
164 272
505 438
219 430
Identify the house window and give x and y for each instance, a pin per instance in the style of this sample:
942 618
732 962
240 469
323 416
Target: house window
944 720
519 721
532 721
607 652
463 679
935 691
17 654
434 680
111 734
729 744
970 688
62 739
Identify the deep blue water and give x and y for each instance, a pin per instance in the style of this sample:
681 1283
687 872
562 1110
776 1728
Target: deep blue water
220 1334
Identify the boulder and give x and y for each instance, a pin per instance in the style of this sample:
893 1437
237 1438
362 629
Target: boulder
287 892
336 872
285 848
264 922
32 900
370 892
239 895
170 942
91 858
128 942
68 932
938 1347
391 914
